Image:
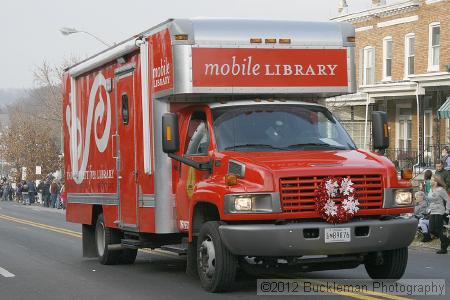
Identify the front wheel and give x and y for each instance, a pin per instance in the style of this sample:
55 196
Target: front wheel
391 264
216 265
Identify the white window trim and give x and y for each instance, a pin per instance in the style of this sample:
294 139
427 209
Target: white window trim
385 40
397 123
398 21
365 28
407 37
431 67
364 65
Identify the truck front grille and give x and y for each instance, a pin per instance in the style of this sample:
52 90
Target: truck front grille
297 193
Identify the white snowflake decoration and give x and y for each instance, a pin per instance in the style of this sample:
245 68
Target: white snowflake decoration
330 208
332 188
346 187
350 205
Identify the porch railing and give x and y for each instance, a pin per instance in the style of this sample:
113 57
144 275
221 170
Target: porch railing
407 158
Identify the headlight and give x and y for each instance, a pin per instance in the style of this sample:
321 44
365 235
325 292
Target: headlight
243 203
252 203
403 198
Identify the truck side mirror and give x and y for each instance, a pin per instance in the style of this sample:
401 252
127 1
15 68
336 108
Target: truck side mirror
380 130
170 136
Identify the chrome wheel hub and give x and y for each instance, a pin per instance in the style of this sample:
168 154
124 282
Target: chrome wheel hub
100 238
207 257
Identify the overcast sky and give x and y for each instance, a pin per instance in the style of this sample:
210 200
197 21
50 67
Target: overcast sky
29 28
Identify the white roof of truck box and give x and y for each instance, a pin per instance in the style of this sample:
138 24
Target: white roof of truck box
237 32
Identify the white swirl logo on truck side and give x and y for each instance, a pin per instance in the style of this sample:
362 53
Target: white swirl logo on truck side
95 113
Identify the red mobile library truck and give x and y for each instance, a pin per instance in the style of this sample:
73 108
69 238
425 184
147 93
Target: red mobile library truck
204 137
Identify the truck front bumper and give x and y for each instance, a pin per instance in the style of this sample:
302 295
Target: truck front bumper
289 239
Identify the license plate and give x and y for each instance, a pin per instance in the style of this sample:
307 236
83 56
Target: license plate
337 235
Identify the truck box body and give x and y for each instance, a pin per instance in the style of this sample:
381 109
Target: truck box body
199 69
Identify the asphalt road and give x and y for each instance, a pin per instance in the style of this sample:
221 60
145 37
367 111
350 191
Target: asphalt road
40 258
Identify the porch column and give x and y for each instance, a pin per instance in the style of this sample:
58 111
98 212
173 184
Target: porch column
420 127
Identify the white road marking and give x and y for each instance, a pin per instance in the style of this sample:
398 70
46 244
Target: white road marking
5 273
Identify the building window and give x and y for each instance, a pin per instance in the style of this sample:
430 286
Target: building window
368 65
434 46
387 58
410 40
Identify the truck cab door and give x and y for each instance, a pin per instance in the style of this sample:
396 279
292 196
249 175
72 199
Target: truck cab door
196 145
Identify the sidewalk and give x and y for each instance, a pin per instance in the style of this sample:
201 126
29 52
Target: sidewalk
434 244
35 207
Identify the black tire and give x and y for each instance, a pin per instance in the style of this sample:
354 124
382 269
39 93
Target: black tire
127 256
105 236
216 265
393 266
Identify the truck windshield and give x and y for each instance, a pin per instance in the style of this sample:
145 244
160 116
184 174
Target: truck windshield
281 127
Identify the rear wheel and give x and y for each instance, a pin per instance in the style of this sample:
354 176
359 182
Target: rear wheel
390 265
105 236
216 265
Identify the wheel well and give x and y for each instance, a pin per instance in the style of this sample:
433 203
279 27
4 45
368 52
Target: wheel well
203 212
96 210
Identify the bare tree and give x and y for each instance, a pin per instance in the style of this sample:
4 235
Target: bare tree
34 135
27 142
48 92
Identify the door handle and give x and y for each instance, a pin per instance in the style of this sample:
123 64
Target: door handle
114 141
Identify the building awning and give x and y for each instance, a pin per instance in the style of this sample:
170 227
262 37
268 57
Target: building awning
444 110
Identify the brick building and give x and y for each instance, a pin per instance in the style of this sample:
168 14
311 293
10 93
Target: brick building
403 64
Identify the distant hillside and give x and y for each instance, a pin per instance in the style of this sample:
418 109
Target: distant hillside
10 96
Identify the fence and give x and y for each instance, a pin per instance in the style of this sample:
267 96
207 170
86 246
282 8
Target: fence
407 158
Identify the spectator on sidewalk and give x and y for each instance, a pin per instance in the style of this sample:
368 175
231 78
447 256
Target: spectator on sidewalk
46 192
427 181
40 189
31 192
444 174
11 192
445 240
5 191
420 212
439 204
26 199
19 190
54 189
63 197
446 158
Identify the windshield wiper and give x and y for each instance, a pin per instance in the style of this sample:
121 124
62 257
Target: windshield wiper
256 146
316 145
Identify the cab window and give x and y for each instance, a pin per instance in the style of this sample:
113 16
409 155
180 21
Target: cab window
197 139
